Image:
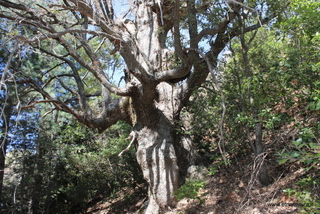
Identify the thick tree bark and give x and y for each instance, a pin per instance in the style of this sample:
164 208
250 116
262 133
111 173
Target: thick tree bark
164 158
157 147
158 160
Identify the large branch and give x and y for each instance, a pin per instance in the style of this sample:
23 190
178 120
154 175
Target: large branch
81 92
192 22
115 110
201 70
110 30
230 16
95 69
223 37
119 35
13 5
176 33
177 73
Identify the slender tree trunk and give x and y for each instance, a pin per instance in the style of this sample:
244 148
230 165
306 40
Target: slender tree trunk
7 110
258 147
2 166
37 185
259 150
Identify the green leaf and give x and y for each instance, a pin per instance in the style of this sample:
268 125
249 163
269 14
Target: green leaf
298 141
282 161
294 154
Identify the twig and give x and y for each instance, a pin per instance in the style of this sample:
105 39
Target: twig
257 163
132 136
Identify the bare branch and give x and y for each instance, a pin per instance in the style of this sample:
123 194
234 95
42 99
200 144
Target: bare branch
231 15
42 101
131 137
59 104
68 31
86 9
94 69
81 92
66 87
9 4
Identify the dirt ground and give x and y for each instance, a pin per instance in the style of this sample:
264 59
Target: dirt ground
233 189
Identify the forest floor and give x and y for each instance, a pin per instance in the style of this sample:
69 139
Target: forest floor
233 189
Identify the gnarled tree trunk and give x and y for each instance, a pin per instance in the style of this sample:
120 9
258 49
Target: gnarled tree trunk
157 149
158 160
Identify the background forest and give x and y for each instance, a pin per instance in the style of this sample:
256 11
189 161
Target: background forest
259 114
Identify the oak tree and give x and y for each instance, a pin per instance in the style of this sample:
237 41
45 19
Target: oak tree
166 49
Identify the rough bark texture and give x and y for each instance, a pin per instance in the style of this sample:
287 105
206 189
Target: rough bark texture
155 136
158 161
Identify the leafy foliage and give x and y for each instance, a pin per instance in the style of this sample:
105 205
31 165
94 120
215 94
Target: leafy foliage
283 89
305 149
306 193
190 190
70 165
